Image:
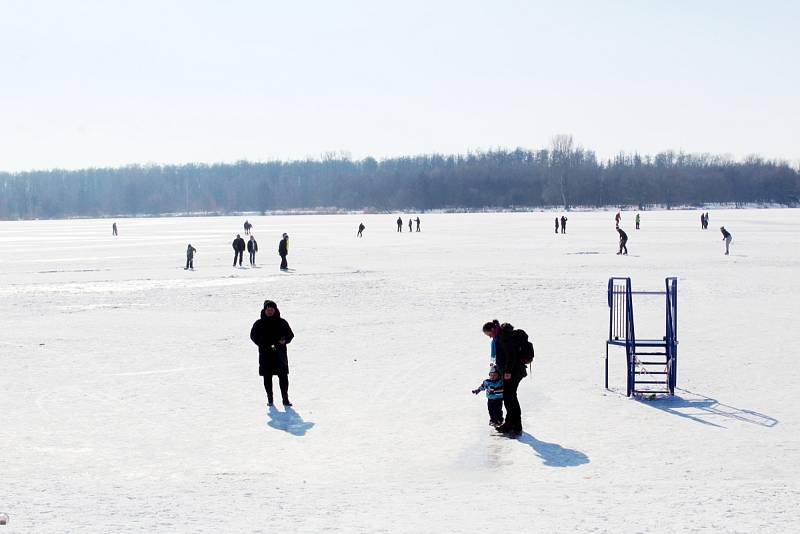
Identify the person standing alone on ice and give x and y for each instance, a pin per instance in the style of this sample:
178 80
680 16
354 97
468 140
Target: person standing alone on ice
360 229
637 221
563 224
727 237
252 248
556 224
114 229
617 217
409 226
511 369
283 251
272 333
238 249
400 225
190 250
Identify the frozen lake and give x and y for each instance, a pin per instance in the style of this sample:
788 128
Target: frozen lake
131 399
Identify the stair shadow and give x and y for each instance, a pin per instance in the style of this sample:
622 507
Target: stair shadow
288 421
553 454
700 407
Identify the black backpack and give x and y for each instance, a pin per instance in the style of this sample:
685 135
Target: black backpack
526 353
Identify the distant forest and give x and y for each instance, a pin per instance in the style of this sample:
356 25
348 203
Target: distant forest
562 175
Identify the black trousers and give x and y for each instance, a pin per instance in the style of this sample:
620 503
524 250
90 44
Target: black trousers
495 410
189 263
623 246
284 263
283 383
513 410
238 254
252 258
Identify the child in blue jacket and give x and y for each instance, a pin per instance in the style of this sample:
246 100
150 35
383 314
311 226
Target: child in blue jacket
494 396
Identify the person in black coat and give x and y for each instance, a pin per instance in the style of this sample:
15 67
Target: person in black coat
252 248
272 333
511 369
623 241
283 251
238 249
563 224
190 250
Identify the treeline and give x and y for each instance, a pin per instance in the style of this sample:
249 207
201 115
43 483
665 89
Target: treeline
561 175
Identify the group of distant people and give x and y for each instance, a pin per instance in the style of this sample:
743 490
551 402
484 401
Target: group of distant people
410 221
240 245
704 221
563 224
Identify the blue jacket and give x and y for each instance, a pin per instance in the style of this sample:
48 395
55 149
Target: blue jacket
493 388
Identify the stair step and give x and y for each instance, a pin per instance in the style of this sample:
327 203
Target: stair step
650 382
651 391
651 363
650 372
650 353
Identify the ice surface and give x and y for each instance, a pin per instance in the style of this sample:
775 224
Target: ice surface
130 398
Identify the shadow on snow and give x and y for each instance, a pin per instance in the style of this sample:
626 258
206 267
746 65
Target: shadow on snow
288 421
700 408
553 454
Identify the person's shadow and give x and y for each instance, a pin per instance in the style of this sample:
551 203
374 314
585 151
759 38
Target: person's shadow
288 421
553 454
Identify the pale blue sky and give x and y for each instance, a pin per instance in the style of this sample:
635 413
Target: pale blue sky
97 83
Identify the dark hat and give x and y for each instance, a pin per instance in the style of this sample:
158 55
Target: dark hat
285 235
492 369
270 304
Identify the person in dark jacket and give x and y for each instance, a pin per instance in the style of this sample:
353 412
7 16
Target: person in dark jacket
556 224
238 249
283 251
563 224
623 240
511 370
360 229
417 221
409 225
727 237
190 250
272 333
400 225
252 248
114 229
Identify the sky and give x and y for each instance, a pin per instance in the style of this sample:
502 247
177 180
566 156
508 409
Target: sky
111 83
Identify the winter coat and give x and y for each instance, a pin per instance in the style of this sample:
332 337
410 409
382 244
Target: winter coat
238 244
283 247
252 246
622 235
267 333
190 250
507 349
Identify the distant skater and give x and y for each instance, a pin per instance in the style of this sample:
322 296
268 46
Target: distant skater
637 221
360 230
190 250
400 225
703 221
252 248
493 387
617 217
283 251
272 333
556 224
417 221
623 241
238 249
114 229
727 237
409 225
563 224
706 219
247 227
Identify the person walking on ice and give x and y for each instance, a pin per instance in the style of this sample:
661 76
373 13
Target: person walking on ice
556 224
252 248
563 224
400 225
190 250
623 241
493 386
409 225
247 227
283 251
238 249
617 217
114 229
417 221
272 333
511 369
637 221
361 228
727 237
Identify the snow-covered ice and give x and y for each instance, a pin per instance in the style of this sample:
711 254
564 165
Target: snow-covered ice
130 398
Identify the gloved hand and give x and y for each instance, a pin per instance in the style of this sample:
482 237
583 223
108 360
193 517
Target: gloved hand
475 391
